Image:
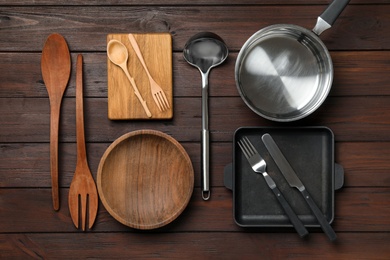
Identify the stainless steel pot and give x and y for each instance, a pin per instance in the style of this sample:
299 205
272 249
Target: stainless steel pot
284 72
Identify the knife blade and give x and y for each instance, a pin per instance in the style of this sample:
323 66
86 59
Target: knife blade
293 180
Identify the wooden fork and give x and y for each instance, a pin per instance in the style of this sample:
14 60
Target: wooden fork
157 92
82 192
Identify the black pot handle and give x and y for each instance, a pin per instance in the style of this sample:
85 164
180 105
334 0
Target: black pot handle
333 11
329 16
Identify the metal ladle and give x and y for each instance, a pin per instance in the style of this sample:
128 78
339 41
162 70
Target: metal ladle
205 51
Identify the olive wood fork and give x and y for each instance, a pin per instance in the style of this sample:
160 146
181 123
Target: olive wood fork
157 92
83 196
259 165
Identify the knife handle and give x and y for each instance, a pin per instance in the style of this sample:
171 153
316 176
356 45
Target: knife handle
299 227
328 230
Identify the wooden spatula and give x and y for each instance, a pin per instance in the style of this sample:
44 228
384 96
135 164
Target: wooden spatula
55 67
82 190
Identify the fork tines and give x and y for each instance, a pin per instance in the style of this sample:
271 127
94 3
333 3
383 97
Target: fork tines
161 100
247 147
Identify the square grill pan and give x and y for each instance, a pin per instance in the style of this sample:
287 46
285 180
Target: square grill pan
310 151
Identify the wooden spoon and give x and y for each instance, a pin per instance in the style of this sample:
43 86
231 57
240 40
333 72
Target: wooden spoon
55 67
117 53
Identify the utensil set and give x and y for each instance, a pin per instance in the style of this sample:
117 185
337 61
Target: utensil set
293 180
118 54
258 165
203 51
55 66
157 93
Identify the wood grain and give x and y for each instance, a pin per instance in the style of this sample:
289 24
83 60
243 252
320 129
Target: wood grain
198 245
145 179
360 27
83 196
192 3
31 159
373 66
354 211
55 66
357 110
356 119
156 49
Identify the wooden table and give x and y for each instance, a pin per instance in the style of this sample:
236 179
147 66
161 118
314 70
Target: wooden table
357 110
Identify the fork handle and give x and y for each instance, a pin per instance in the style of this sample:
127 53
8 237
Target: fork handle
299 227
80 135
137 50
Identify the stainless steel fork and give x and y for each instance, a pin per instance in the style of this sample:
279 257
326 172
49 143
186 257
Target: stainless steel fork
259 165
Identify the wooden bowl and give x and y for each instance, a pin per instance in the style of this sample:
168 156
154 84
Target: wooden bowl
145 179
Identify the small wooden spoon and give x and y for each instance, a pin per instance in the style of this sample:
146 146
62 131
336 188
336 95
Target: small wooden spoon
55 67
117 53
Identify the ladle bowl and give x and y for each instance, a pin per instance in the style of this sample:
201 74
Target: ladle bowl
205 51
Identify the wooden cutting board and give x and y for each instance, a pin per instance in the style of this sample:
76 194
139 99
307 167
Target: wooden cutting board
156 49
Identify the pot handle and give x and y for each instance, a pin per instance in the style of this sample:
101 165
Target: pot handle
329 16
228 176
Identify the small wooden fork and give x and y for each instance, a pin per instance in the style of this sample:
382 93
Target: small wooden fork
83 194
157 92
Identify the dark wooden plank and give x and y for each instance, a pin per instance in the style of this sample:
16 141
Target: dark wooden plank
194 245
349 200
31 117
351 119
29 210
27 165
361 27
356 111
364 163
356 73
361 73
180 2
20 160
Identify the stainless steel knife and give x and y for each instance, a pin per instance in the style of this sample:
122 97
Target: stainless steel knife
294 181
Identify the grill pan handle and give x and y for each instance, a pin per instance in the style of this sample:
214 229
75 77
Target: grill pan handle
228 176
338 176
